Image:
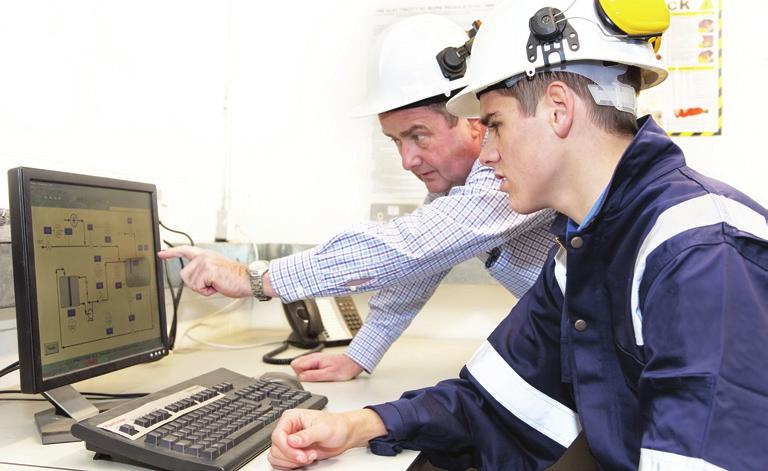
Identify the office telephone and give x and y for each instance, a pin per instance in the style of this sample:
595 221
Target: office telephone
316 324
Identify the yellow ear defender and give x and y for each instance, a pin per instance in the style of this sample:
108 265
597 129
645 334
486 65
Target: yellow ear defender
645 19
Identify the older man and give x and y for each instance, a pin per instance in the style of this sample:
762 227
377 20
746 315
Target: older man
464 215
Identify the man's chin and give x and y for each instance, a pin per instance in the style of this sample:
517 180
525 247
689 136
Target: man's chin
437 187
519 206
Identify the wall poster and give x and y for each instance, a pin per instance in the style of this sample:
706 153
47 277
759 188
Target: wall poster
689 102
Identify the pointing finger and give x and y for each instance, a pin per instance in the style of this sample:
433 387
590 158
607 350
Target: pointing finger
185 251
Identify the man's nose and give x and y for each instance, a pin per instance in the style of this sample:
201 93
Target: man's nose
488 154
410 157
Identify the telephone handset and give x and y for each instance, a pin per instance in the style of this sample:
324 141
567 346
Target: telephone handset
305 322
318 323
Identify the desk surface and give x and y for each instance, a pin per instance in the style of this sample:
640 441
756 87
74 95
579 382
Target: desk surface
437 359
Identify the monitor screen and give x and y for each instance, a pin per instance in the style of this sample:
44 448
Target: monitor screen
89 294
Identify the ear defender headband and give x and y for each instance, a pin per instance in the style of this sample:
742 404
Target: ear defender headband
453 60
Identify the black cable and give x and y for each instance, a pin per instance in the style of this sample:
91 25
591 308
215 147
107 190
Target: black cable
175 300
24 399
9 369
91 396
94 395
269 357
175 297
191 242
88 395
98 395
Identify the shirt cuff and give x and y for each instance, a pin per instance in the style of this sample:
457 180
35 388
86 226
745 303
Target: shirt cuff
367 348
397 417
296 276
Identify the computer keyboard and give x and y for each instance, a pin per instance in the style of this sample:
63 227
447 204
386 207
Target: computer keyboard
218 421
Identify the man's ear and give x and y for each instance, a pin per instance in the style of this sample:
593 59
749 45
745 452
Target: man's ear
476 128
561 102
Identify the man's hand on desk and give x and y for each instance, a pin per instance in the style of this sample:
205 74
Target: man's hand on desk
209 272
325 367
303 436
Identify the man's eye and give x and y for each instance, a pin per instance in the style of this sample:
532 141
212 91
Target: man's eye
419 139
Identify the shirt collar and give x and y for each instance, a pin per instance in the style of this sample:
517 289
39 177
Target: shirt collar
573 227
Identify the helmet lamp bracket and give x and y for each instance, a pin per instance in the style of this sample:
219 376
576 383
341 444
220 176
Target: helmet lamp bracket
453 60
548 28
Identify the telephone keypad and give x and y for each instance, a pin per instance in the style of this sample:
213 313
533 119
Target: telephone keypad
349 313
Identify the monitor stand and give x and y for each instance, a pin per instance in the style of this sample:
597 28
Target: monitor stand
69 407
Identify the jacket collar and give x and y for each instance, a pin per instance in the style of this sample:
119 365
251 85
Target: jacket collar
650 155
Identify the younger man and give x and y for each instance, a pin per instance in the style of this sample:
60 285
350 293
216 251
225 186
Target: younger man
647 328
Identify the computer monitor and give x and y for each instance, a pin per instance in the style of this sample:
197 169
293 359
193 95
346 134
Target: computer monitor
88 285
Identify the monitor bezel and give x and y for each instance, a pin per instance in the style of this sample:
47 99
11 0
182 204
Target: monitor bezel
25 287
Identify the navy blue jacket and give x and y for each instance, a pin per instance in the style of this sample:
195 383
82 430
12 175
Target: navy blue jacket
647 329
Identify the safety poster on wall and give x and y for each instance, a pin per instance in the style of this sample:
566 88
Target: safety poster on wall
689 102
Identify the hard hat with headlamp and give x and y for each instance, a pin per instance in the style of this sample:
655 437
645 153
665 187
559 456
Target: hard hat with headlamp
598 39
416 61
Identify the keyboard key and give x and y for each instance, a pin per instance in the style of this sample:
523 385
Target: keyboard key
129 429
153 438
240 435
194 450
181 445
270 416
223 387
143 422
210 453
228 442
183 421
167 441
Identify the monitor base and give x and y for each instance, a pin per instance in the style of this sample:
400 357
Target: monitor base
54 428
69 407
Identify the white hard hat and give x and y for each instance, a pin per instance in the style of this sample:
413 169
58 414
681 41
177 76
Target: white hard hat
526 36
404 68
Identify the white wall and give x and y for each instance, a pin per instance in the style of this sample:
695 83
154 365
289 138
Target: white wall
301 170
170 92
190 94
123 89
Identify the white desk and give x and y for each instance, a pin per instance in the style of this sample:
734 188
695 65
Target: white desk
413 362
